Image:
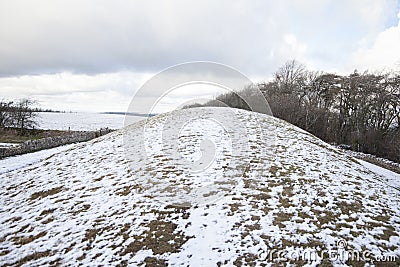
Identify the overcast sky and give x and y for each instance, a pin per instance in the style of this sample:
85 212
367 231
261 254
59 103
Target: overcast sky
93 55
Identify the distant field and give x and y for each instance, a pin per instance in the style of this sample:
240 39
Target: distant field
81 121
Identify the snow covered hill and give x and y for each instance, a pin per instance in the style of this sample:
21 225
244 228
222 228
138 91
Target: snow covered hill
290 197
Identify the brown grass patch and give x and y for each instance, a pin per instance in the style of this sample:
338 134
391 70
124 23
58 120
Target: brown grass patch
153 261
31 257
160 238
26 240
43 194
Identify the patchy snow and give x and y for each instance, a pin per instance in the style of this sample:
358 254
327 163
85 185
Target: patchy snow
365 156
17 162
88 204
388 177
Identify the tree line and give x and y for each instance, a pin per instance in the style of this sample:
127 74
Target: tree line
20 114
359 110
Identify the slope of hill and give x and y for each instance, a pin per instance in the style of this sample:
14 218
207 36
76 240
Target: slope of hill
91 204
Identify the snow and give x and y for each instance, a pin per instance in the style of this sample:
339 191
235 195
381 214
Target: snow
88 204
17 162
79 121
388 177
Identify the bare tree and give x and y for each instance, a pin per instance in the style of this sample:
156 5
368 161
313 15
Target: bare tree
24 115
290 77
5 113
361 109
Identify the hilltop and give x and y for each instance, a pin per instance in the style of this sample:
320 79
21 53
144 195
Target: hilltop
88 204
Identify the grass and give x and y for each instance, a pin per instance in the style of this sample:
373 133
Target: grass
30 257
13 135
42 194
160 238
26 240
152 261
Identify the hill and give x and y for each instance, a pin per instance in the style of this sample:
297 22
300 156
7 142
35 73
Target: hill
284 193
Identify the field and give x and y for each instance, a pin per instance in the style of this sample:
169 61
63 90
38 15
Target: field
79 121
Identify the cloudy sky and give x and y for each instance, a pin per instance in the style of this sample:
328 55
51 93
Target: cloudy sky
94 55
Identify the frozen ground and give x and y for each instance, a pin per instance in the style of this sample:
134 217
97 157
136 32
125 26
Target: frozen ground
17 162
81 121
88 205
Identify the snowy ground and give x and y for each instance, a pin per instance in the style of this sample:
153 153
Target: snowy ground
88 204
81 121
391 165
17 162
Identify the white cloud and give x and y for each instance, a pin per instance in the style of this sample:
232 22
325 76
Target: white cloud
187 94
384 52
293 48
81 48
101 101
67 91
109 36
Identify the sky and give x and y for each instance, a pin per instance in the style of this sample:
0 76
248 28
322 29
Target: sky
94 55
